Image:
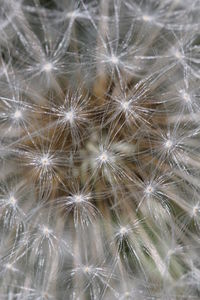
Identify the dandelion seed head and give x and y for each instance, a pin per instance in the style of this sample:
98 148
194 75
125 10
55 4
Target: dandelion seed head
178 54
168 144
78 198
106 159
186 97
69 116
46 231
9 266
196 210
123 230
17 114
147 18
45 160
108 145
125 105
12 200
103 157
87 269
114 59
47 67
149 189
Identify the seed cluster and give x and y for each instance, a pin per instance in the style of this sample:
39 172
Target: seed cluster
99 149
